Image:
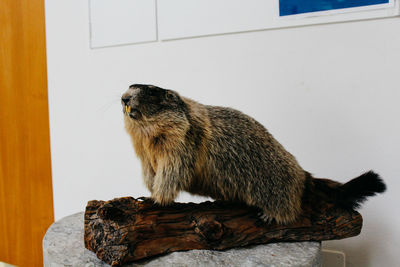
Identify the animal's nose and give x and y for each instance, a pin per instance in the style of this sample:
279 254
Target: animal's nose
125 99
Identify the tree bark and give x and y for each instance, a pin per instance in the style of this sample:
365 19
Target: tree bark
128 229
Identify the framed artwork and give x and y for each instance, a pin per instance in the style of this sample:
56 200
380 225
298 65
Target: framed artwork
193 18
321 7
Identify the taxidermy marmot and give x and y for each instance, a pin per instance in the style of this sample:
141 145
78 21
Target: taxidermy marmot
225 154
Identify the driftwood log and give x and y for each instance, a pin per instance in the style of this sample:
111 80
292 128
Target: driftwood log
128 229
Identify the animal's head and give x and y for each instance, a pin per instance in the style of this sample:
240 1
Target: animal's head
147 106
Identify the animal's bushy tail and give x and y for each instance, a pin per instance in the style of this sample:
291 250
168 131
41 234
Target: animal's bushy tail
351 194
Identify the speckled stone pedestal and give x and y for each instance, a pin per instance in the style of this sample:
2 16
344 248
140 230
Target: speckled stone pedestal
63 246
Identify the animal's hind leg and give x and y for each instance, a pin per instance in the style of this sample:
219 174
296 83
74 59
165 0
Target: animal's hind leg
265 217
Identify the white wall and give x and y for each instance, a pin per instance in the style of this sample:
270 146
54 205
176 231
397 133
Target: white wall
329 93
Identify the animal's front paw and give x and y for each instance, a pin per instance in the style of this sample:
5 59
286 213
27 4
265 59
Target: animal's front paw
164 190
162 198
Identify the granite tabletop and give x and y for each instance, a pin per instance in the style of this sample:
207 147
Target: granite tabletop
63 246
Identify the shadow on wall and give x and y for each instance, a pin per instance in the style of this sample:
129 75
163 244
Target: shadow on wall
361 255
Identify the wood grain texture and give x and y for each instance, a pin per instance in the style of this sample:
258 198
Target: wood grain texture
128 229
26 202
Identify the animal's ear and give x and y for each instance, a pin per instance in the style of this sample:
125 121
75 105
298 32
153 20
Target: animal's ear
170 95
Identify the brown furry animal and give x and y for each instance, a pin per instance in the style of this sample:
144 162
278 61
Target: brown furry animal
225 154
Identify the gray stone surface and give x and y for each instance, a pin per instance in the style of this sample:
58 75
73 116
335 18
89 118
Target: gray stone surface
63 246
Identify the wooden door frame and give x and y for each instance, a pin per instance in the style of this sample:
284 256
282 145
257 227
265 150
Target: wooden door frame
26 197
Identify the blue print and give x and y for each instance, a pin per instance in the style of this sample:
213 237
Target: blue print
293 7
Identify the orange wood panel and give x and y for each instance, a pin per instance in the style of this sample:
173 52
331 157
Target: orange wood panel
26 198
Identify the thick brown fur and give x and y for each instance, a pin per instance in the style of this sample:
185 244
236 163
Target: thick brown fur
212 151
